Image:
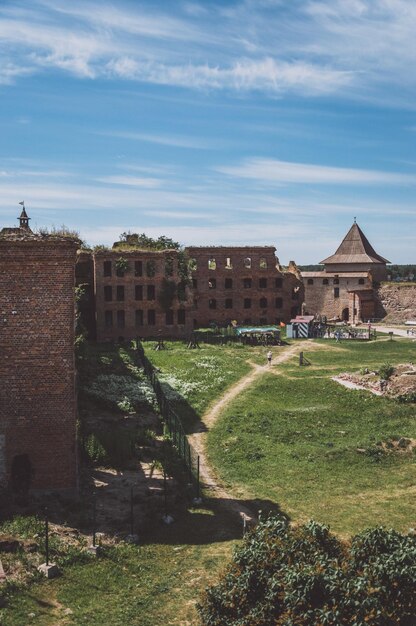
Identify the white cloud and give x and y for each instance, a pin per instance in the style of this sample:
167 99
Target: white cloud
274 171
130 181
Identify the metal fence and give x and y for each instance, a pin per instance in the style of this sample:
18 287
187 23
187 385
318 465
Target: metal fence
173 423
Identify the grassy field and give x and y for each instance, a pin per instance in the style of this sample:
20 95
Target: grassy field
295 438
157 583
193 379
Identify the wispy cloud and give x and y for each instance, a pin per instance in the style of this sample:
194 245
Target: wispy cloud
130 181
281 172
312 48
175 141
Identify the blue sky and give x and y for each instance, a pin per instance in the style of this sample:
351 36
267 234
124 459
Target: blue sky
251 122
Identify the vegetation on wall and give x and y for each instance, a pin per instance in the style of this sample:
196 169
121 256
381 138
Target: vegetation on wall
142 241
167 293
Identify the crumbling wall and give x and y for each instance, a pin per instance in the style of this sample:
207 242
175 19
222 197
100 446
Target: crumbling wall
397 302
128 303
243 284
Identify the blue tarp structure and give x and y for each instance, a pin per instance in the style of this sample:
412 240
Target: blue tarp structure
241 330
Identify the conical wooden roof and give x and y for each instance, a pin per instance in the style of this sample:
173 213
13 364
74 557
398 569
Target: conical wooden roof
355 248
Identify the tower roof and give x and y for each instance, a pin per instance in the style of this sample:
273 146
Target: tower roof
355 248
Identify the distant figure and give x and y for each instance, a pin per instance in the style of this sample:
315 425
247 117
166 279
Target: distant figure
269 357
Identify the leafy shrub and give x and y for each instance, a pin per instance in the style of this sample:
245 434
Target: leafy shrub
407 398
113 446
386 370
305 576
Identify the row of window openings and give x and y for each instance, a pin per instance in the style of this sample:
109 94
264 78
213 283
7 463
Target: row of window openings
263 303
247 283
212 263
325 281
120 293
149 268
140 317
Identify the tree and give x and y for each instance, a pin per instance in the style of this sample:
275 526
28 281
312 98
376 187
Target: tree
305 576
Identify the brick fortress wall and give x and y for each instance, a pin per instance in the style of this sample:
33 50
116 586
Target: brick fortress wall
37 367
127 303
245 284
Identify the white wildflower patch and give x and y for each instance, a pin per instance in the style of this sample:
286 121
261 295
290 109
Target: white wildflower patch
175 388
123 391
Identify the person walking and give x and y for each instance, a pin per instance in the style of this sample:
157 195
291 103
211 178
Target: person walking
269 357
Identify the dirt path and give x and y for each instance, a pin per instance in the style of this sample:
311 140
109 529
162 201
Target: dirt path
210 482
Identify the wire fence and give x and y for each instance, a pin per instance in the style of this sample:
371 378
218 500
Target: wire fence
173 423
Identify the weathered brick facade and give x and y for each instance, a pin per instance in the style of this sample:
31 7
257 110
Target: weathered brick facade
245 284
128 303
37 368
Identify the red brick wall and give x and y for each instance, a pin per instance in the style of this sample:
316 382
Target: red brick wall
231 265
37 368
130 305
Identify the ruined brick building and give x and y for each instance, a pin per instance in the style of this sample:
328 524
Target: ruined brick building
347 287
37 367
242 284
144 293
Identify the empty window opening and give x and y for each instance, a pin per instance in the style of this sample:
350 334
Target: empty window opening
279 303
138 268
228 283
325 281
181 316
212 265
108 319
361 281
228 303
247 303
193 265
150 269
278 283
107 268
151 317
336 281
138 292
194 283
336 292
310 281
228 264
247 262
108 293
169 317
263 303
263 283
121 319
139 317
247 283
120 293
169 266
263 264
212 283
151 292
212 303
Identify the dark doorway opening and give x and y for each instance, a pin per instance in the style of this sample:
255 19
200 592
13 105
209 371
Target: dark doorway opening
21 474
346 314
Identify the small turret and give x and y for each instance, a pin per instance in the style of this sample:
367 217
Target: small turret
23 219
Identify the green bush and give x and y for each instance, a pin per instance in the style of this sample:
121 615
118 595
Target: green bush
386 370
113 446
305 576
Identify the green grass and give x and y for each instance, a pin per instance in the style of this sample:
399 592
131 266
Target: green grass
194 379
293 439
146 585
